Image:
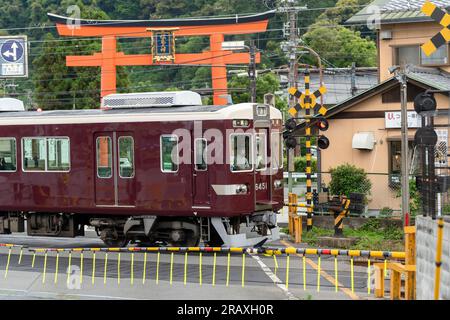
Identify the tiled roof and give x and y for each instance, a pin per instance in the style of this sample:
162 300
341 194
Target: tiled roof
395 11
434 78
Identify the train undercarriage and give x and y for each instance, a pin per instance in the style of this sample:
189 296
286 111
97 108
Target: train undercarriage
119 231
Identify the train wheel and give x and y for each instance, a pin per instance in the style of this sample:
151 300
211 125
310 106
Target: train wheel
188 239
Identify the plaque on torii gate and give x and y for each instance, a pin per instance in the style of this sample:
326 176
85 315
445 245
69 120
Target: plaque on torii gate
167 29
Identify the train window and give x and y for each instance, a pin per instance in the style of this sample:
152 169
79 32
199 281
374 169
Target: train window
241 152
200 154
34 154
261 151
277 150
104 157
126 157
8 154
58 154
169 153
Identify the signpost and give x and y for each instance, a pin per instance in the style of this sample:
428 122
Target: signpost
13 57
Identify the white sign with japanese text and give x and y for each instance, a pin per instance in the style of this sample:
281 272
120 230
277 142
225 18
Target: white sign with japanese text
392 119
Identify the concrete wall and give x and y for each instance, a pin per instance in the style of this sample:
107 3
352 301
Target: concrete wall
426 235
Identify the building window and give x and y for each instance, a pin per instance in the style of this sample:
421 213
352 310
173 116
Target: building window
46 154
8 159
126 157
169 153
104 157
241 152
261 151
437 58
407 55
395 161
200 154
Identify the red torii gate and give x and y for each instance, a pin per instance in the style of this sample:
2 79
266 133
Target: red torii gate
110 30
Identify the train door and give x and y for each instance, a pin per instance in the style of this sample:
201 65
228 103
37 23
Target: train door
201 189
114 169
262 170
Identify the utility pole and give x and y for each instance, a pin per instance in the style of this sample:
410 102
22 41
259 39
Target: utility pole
353 89
252 70
401 77
291 49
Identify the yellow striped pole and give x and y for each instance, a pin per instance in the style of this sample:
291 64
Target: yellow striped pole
7 263
228 270
118 269
214 270
68 268
157 267
57 265
145 268
437 275
243 269
105 268
287 271
185 267
20 255
308 153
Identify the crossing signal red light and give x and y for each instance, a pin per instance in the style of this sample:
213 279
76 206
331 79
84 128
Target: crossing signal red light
322 124
323 142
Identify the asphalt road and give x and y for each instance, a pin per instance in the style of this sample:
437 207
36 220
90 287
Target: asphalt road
262 280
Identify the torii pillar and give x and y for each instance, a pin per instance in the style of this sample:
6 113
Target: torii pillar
110 31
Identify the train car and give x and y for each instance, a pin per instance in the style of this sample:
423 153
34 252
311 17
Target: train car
149 168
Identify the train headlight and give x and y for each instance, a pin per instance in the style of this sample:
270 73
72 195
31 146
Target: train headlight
277 184
242 189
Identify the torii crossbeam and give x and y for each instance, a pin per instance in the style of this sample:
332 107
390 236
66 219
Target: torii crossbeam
111 30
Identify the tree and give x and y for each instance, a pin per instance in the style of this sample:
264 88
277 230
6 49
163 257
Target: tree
341 46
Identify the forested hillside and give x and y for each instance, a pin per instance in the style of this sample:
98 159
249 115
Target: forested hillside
52 85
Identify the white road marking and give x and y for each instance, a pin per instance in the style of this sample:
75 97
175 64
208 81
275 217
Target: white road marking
274 278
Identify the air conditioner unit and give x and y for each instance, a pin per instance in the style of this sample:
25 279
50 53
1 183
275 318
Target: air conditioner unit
363 141
386 35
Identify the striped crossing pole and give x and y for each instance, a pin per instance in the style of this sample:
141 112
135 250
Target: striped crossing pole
339 218
309 210
307 101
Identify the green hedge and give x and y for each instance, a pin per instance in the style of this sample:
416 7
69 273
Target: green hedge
300 164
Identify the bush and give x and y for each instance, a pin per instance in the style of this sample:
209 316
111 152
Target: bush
346 179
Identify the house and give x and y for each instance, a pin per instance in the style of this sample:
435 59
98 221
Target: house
364 129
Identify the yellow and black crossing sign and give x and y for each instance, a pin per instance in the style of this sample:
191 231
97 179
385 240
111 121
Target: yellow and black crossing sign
306 100
443 19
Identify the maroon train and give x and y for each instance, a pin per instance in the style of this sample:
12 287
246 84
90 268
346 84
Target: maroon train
150 168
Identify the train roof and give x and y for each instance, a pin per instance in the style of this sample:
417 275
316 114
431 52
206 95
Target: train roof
151 114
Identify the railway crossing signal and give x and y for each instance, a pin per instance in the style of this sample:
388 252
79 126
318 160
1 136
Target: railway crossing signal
443 19
307 101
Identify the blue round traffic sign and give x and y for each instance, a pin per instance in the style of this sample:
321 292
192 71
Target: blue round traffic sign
12 51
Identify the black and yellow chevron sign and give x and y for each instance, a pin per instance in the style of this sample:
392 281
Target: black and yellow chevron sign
443 19
307 100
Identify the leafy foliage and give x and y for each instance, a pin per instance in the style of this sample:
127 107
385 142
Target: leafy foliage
346 179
